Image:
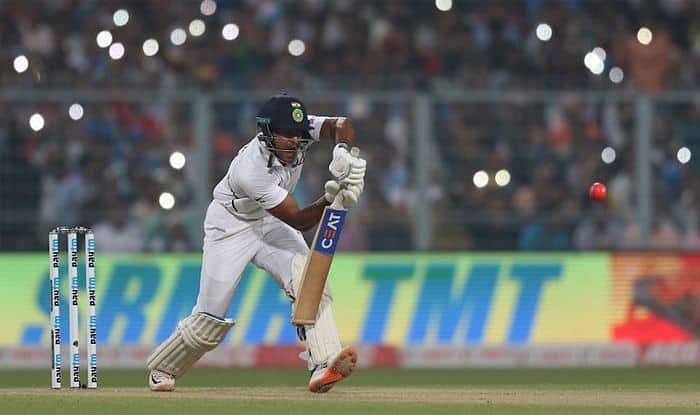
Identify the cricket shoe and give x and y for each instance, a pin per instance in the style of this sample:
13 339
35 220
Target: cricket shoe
160 381
337 369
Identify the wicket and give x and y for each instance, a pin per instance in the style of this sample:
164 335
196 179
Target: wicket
55 314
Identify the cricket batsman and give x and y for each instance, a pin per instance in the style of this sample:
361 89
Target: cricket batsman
254 218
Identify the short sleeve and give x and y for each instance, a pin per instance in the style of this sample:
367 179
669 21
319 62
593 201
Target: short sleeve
315 122
262 189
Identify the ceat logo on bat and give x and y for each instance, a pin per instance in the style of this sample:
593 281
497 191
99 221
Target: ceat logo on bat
328 235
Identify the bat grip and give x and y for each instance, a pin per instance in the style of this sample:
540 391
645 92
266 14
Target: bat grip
337 205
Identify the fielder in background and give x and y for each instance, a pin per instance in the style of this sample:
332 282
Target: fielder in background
254 218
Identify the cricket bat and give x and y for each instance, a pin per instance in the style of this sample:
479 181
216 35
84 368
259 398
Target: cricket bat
318 263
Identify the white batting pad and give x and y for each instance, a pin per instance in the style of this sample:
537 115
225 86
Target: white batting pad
322 341
194 336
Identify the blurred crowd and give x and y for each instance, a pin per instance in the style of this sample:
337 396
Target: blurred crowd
353 43
553 151
108 168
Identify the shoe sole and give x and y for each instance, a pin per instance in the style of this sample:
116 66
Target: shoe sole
162 390
342 367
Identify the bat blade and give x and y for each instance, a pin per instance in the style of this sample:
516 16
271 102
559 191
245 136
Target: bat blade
318 263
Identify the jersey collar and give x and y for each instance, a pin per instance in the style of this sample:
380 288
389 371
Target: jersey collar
270 159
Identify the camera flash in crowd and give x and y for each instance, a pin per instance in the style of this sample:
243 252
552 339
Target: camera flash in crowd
150 47
36 122
116 51
104 39
480 179
594 63
207 7
177 160
608 155
197 27
683 155
21 63
296 47
75 111
166 200
502 177
178 36
616 75
644 36
120 17
600 52
230 31
443 5
543 32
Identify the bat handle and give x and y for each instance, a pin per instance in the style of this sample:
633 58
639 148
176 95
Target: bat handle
337 205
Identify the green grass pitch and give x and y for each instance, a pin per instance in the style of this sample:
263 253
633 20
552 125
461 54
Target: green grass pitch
369 391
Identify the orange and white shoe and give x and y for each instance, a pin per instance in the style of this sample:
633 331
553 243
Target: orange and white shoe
337 369
160 381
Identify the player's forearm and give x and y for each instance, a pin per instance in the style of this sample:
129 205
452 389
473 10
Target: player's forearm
308 217
338 129
302 219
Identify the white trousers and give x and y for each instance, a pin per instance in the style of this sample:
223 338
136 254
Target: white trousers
230 244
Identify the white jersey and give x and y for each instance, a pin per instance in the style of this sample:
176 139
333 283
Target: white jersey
257 181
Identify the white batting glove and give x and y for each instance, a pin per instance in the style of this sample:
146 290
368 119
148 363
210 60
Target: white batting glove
331 188
349 172
350 195
356 173
341 163
353 185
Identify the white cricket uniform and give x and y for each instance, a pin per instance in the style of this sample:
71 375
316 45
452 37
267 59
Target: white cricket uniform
238 229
